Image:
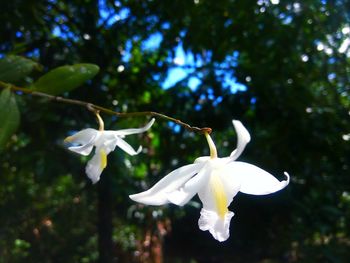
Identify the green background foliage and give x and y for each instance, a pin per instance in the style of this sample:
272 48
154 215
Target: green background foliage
9 122
65 78
291 58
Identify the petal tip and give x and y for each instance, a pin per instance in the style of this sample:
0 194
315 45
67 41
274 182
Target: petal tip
148 198
136 197
95 181
241 130
132 197
287 176
149 125
139 149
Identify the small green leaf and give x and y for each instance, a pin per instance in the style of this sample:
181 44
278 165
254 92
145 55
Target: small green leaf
15 68
65 78
9 121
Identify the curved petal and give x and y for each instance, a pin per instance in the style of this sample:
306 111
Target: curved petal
217 226
190 188
158 194
243 137
83 149
135 130
255 180
96 165
126 147
217 195
86 138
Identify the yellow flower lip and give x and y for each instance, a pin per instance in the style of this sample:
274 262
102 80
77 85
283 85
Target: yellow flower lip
219 195
103 156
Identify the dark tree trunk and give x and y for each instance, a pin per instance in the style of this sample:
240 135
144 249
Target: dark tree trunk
105 227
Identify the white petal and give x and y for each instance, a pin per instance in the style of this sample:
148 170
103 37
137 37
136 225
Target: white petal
96 165
83 150
83 136
158 194
217 226
190 188
126 147
243 137
110 145
86 138
218 193
136 130
255 180
202 159
231 186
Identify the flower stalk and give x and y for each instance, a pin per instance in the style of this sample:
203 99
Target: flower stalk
94 108
100 121
212 147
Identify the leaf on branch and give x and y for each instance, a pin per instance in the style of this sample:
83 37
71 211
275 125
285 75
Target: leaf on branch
16 68
9 121
65 78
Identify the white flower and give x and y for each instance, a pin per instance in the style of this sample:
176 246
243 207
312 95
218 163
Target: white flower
104 142
216 181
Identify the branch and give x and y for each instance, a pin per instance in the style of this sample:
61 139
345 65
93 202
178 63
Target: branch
96 108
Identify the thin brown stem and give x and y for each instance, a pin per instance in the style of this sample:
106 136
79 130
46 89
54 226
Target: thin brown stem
96 108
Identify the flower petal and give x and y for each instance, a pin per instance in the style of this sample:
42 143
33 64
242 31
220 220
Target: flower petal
218 193
96 165
135 130
158 194
83 149
202 159
255 180
217 226
190 188
86 138
109 144
126 147
243 137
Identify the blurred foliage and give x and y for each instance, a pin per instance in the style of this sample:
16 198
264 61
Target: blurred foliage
16 68
293 60
10 121
65 78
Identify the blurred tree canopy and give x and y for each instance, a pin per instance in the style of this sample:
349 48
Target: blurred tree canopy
281 67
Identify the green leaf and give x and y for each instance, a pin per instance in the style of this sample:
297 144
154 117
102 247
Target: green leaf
8 122
65 78
15 68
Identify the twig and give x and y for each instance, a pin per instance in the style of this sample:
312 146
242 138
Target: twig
96 108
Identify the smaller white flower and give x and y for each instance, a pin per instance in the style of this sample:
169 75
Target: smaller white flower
104 143
216 181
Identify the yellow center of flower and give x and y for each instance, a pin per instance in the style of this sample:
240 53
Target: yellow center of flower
103 156
68 139
219 194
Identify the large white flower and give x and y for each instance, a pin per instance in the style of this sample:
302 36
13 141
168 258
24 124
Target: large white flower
104 143
216 181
